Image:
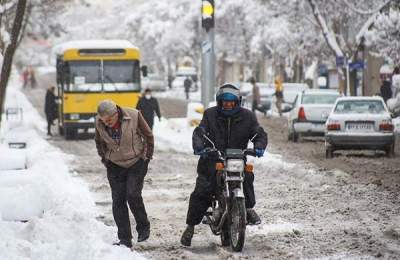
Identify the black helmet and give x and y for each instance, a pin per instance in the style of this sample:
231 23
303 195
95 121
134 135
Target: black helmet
228 92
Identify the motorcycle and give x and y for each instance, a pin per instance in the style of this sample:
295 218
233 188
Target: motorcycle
228 211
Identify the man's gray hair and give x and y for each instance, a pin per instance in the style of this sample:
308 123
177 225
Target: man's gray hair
107 108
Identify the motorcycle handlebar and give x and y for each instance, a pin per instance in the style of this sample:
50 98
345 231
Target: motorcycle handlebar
250 152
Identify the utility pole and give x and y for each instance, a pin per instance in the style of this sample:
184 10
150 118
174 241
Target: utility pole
207 53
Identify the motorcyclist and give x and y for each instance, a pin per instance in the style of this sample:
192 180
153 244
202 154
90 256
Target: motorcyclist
230 126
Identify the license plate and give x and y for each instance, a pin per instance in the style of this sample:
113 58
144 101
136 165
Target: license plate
359 127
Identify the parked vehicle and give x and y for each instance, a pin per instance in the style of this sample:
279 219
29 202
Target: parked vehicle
154 82
182 73
228 215
359 123
266 94
309 113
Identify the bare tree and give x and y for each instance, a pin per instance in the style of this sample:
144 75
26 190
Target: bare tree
9 49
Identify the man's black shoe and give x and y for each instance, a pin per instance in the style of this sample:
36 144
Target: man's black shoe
187 236
144 235
252 217
127 243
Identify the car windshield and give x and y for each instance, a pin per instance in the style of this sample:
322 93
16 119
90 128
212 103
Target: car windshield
325 99
360 107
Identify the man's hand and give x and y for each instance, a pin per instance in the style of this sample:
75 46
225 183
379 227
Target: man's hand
259 152
105 162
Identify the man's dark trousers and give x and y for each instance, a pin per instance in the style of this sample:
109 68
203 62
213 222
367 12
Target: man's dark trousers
126 186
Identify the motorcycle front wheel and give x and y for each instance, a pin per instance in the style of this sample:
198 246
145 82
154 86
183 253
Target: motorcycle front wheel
238 224
225 234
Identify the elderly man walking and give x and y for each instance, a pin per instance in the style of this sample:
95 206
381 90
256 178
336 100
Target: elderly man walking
125 145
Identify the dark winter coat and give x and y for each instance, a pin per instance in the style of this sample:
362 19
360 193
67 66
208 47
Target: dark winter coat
386 90
50 105
229 132
148 107
187 84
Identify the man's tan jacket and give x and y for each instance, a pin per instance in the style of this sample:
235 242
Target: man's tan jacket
136 141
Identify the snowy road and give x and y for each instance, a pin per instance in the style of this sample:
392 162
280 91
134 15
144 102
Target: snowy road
309 210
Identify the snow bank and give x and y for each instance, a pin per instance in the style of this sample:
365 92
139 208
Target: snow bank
45 213
175 134
179 93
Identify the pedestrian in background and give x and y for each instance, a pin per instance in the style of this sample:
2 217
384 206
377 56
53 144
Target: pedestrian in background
386 90
279 94
256 95
187 85
148 106
32 77
25 77
50 108
125 145
256 104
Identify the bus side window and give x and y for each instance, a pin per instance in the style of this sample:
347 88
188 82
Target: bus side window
67 76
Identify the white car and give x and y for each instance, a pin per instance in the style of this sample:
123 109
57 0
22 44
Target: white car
359 123
178 82
154 82
266 94
309 113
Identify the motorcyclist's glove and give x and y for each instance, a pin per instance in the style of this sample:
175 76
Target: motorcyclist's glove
259 152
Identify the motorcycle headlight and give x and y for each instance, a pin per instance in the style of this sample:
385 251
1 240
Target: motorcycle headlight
235 165
74 116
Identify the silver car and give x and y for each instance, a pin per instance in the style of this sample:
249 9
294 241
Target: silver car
309 113
359 123
154 82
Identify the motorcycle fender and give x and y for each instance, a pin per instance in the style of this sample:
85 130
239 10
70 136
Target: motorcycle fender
238 193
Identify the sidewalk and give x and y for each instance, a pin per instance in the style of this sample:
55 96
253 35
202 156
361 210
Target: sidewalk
46 212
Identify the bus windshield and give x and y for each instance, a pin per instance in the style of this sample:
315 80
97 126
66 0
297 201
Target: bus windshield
96 76
121 75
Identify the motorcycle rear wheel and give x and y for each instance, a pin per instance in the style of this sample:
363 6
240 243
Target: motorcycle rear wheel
237 224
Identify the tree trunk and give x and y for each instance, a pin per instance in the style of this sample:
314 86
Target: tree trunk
9 53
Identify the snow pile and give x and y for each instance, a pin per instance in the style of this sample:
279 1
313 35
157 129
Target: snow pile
175 134
45 213
179 93
279 227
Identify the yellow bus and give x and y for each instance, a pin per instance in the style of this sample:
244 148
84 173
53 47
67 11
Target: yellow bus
91 71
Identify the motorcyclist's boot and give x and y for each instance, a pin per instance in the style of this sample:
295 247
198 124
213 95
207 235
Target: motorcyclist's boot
217 214
187 236
252 217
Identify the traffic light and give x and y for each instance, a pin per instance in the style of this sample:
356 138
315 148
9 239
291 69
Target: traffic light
207 14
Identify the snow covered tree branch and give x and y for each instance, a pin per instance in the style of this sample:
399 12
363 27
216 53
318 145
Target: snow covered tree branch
327 33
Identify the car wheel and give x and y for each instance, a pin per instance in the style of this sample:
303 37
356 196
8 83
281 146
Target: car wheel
295 137
290 136
390 151
329 152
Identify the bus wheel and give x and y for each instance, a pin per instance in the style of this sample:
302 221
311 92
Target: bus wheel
70 133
